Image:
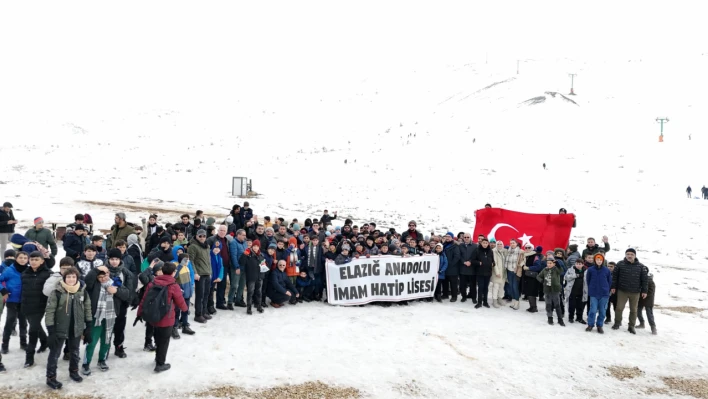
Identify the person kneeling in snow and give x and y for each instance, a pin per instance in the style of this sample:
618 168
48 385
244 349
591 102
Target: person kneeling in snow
281 288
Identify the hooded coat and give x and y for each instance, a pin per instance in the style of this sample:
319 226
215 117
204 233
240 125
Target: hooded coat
174 298
11 279
199 255
64 307
44 237
484 261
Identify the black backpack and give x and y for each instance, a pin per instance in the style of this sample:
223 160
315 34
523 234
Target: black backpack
157 303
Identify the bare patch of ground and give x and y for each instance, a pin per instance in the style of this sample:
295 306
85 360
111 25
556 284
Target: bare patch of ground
10 393
682 309
451 345
698 388
624 373
410 389
307 390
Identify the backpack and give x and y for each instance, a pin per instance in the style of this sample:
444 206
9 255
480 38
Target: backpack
156 304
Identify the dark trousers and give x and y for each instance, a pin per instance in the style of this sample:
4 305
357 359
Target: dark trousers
221 289
254 292
471 282
575 306
439 288
182 318
13 314
119 326
266 283
162 342
612 304
451 286
482 288
320 285
35 331
73 345
201 289
149 333
306 292
212 291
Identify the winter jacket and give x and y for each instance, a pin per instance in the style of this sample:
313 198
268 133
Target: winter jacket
124 292
312 261
630 277
188 229
154 241
418 236
552 276
60 311
572 257
51 284
498 269
467 254
174 298
130 264
327 219
86 266
136 252
575 283
648 302
164 255
236 249
246 215
341 259
44 237
187 288
11 278
443 265
595 249
217 265
301 283
251 262
4 218
484 261
74 245
280 283
452 252
599 281
33 299
199 255
120 233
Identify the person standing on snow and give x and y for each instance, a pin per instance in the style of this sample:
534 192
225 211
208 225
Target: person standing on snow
7 225
120 230
630 281
688 191
593 248
599 281
42 236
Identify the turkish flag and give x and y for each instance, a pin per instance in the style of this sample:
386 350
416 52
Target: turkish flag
547 230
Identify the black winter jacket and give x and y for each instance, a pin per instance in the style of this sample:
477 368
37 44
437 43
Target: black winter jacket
630 277
74 245
33 300
468 253
4 227
453 259
484 261
125 292
595 249
251 263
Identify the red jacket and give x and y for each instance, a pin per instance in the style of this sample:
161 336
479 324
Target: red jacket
175 296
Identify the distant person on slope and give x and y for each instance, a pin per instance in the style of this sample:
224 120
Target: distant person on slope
688 191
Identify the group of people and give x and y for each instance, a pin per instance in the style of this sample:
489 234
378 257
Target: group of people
162 270
704 192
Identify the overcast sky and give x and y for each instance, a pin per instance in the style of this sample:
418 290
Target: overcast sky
165 54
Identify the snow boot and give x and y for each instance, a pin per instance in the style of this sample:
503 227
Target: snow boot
74 375
175 333
513 304
560 322
495 304
550 321
632 330
187 330
600 330
120 352
640 325
653 330
230 306
211 310
4 349
464 299
86 370
162 367
248 310
500 303
616 326
53 383
532 305
589 328
103 366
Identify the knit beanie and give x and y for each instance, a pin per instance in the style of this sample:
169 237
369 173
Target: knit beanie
38 220
115 253
631 250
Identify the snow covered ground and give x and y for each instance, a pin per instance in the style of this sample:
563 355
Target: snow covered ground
430 132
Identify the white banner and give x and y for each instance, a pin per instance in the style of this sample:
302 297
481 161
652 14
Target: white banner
382 278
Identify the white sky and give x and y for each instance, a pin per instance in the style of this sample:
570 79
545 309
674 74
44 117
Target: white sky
62 56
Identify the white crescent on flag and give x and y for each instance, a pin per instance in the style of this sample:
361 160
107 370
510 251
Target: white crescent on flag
497 227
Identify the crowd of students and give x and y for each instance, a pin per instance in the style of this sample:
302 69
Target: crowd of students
164 270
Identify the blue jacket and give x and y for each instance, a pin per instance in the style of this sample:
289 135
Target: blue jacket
443 265
74 245
303 282
187 288
217 265
236 249
539 264
599 281
12 280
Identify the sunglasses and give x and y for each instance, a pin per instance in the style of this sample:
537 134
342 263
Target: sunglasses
201 235
411 225
529 247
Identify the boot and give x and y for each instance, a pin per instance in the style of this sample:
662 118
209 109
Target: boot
500 303
175 333
265 305
162 367
120 352
513 304
53 383
496 304
653 330
240 304
230 306
640 325
600 330
464 298
248 310
485 304
200 319
29 360
222 307
453 299
67 356
2 368
43 347
438 298
187 330
560 322
550 321
149 347
23 344
207 316
589 328
260 309
532 304
211 310
103 366
608 320
74 375
570 320
478 305
581 321
632 330
5 349
616 326
86 370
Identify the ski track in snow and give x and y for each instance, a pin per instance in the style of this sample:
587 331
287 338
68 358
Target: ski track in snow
611 173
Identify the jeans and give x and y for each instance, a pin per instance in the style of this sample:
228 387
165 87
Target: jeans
119 326
254 292
650 315
162 342
182 318
13 313
35 331
597 309
471 282
482 288
98 334
73 345
241 285
575 307
201 289
513 280
622 298
553 301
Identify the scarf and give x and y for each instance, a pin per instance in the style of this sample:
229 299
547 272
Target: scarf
105 310
71 289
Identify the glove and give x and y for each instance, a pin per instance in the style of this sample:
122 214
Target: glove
87 333
117 282
138 319
52 336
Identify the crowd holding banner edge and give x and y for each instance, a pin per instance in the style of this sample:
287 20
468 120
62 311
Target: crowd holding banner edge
162 271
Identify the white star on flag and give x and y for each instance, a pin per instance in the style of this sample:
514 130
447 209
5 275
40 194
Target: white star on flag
525 239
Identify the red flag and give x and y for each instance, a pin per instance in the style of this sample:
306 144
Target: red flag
547 230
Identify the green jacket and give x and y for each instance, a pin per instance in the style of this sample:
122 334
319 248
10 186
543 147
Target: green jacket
199 255
58 313
119 233
44 237
555 276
